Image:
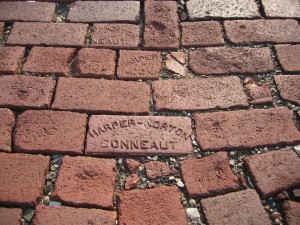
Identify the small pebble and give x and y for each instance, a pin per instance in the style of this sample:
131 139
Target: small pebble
28 214
46 200
231 162
54 203
171 178
192 213
192 202
180 184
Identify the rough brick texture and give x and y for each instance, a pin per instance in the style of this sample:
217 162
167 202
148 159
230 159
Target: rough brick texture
288 87
10 216
292 212
1 28
7 122
246 129
10 59
289 57
282 8
156 169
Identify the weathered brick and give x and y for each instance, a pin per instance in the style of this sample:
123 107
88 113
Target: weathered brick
274 171
27 11
138 135
244 129
2 25
22 178
161 25
132 165
96 96
160 205
243 207
156 169
292 212
134 65
10 59
231 60
49 60
10 216
282 8
289 57
48 34
288 87
26 92
50 132
86 182
258 93
208 176
204 33
7 122
116 36
106 11
262 31
199 94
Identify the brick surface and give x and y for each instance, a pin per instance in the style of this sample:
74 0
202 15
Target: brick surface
26 92
274 171
115 11
161 25
282 8
10 59
86 182
231 60
138 135
262 31
95 63
135 65
48 34
10 216
160 205
48 60
246 129
204 33
7 122
115 36
199 94
243 207
208 176
96 95
50 132
27 11
292 212
25 190
1 28
288 87
289 57
258 93
132 165
155 170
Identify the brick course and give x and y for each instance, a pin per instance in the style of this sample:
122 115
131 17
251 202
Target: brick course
7 122
10 59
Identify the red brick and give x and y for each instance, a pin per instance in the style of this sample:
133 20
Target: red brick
48 60
179 56
204 33
262 31
86 182
289 57
132 181
157 169
10 216
95 63
138 135
10 59
160 205
27 11
63 215
26 92
2 25
231 60
258 93
115 36
209 176
48 34
292 212
281 8
96 96
134 65
288 87
243 207
161 25
7 122
274 171
22 179
132 165
244 129
199 94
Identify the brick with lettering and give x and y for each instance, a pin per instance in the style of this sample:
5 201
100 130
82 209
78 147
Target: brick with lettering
289 57
10 59
7 122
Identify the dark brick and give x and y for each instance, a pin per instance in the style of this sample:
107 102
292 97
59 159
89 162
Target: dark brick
10 59
282 8
7 122
289 57
292 212
10 216
288 87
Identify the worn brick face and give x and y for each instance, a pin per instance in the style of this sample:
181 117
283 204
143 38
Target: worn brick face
288 87
10 59
292 212
282 8
10 216
7 122
289 57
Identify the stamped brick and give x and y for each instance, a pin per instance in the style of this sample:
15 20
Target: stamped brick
48 34
10 59
292 212
96 96
115 36
231 60
288 87
289 57
7 122
10 216
25 189
26 92
27 11
282 8
199 94
161 25
95 63
50 132
243 207
161 205
49 60
274 172
262 31
138 135
134 65
244 129
86 182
